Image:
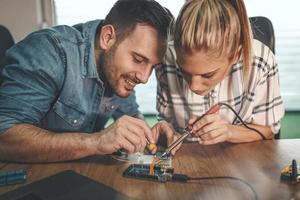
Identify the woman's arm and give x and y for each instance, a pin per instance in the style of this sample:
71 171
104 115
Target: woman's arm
242 134
213 129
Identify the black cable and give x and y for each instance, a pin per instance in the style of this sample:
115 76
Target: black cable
185 178
237 115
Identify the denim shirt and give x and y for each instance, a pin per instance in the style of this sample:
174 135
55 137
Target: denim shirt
51 81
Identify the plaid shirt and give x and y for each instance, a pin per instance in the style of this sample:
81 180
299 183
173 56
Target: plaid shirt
258 103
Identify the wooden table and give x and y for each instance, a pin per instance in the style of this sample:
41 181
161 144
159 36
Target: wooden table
258 163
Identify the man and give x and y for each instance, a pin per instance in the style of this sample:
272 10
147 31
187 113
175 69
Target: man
70 80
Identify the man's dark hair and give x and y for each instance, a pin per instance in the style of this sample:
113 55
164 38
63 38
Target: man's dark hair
126 14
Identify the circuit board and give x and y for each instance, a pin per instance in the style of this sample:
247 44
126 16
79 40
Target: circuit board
140 158
141 171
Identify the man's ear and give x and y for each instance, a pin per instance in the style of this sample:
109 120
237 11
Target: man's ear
107 37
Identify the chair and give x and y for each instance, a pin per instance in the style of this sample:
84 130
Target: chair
263 31
6 41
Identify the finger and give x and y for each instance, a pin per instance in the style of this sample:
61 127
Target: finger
215 134
164 128
137 131
192 119
216 123
155 132
125 144
152 146
144 126
198 133
170 133
205 120
177 147
211 135
135 140
210 131
219 139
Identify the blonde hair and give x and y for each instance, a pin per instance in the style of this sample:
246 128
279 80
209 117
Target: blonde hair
216 27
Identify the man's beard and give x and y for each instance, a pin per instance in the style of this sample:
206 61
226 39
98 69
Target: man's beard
108 72
104 64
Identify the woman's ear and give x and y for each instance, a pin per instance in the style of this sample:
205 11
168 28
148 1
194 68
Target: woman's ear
238 53
107 37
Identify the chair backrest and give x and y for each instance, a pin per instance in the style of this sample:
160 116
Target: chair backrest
263 31
6 41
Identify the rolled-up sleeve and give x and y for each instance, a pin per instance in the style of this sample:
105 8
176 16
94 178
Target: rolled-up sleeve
31 80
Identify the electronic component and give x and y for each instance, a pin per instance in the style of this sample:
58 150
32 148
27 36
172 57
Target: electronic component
141 158
12 177
140 171
151 146
291 173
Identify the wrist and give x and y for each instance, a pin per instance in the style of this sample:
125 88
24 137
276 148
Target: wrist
241 134
230 134
93 143
101 143
238 134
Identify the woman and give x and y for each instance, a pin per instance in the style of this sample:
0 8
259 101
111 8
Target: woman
214 59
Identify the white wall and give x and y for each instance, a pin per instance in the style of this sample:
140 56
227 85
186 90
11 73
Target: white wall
22 17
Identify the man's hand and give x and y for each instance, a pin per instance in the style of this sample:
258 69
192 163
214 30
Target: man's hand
211 129
127 132
167 129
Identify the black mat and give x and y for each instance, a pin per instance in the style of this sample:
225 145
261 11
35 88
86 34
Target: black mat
62 186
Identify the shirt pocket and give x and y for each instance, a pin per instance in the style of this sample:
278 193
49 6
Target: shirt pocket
69 114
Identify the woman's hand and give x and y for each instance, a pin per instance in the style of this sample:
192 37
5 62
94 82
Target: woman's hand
211 129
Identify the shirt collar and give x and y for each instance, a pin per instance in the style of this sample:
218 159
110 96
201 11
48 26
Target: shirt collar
89 32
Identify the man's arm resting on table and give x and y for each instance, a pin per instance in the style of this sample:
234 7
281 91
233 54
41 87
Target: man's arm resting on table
27 143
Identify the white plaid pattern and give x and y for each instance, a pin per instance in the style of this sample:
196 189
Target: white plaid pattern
259 103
